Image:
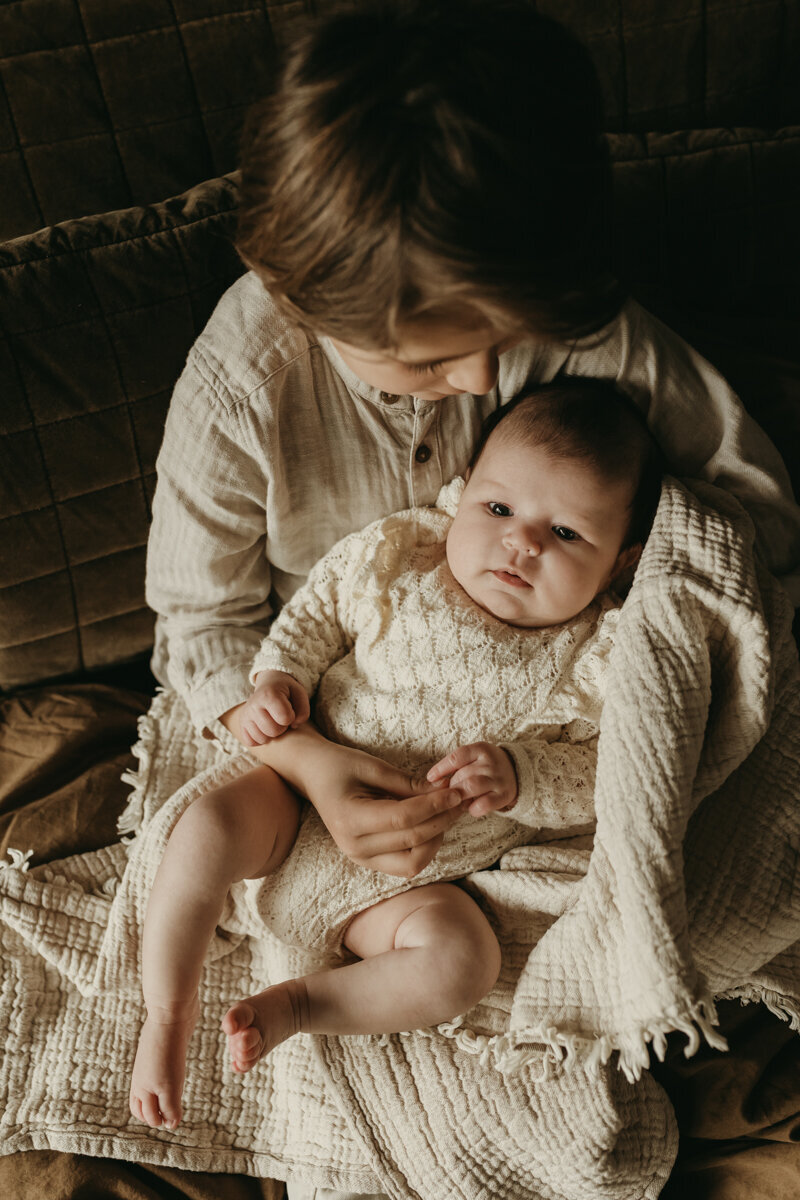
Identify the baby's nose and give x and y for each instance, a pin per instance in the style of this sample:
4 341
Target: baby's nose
523 541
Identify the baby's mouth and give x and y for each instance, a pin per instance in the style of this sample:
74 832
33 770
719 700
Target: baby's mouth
511 578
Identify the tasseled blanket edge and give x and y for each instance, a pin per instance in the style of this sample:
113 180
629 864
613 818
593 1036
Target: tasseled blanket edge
552 1048
129 822
782 1007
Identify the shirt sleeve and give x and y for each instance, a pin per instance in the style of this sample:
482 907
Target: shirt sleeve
314 629
700 424
555 779
208 576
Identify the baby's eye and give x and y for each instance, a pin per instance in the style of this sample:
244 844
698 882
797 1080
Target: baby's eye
566 535
497 509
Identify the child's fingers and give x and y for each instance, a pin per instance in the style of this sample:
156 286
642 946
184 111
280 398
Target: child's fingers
252 735
261 728
302 707
452 762
472 783
488 802
279 713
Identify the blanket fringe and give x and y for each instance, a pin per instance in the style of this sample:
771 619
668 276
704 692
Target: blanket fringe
20 860
780 1005
130 819
553 1049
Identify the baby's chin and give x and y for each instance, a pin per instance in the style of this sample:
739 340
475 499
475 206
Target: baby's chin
511 611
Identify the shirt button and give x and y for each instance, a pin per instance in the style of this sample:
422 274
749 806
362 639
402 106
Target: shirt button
389 398
423 453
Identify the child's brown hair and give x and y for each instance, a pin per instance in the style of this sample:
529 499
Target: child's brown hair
592 421
430 158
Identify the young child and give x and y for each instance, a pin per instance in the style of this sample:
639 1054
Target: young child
467 641
422 207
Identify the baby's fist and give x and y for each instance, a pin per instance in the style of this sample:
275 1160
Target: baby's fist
278 703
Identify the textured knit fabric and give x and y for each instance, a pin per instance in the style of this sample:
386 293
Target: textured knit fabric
274 450
405 666
687 892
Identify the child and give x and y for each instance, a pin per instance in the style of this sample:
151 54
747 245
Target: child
424 632
422 201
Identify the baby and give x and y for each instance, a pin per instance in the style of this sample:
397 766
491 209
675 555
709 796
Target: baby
467 642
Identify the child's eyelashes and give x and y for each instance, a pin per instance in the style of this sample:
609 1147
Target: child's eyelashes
566 534
498 509
426 368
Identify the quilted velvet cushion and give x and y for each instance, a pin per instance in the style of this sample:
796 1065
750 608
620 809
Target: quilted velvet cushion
706 236
97 318
106 104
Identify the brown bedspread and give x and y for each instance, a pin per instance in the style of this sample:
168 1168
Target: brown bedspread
62 751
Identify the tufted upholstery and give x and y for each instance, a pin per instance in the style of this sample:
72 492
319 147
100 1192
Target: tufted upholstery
97 318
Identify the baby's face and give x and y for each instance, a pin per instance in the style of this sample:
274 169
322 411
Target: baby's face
535 538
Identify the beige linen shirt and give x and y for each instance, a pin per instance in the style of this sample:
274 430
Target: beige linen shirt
274 450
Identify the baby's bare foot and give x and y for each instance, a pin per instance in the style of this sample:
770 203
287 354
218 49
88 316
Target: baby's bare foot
259 1024
160 1067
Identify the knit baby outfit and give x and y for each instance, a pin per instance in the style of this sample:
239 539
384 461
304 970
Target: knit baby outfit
407 667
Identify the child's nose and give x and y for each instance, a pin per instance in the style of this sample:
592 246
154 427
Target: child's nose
523 541
477 373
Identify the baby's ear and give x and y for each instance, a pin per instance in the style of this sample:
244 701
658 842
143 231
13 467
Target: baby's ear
626 560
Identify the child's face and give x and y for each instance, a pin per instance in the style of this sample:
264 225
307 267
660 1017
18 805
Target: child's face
433 359
535 539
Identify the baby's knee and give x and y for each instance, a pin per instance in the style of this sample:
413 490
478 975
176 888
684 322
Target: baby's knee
466 951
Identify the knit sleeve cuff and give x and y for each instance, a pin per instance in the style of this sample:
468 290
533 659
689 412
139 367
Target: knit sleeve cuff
524 807
218 693
271 658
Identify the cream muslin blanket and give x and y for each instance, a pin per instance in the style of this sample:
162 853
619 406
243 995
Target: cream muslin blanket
688 892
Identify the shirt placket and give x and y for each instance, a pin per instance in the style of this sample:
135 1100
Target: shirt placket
425 462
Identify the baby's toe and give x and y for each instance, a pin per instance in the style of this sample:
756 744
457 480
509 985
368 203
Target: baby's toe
238 1018
246 1049
151 1112
170 1108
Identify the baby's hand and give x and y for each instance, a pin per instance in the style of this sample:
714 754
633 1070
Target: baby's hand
278 703
483 774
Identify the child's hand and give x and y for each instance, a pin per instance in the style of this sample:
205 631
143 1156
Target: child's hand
278 703
483 774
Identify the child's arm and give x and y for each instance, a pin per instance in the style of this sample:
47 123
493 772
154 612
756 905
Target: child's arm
378 816
553 782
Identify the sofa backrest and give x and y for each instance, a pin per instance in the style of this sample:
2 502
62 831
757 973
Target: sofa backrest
108 105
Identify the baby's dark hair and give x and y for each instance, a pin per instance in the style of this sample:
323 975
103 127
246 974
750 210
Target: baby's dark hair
431 158
592 421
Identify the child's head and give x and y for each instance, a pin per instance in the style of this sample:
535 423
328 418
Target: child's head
559 499
420 162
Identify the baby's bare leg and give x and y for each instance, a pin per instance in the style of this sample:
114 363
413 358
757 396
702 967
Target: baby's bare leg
241 830
426 956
